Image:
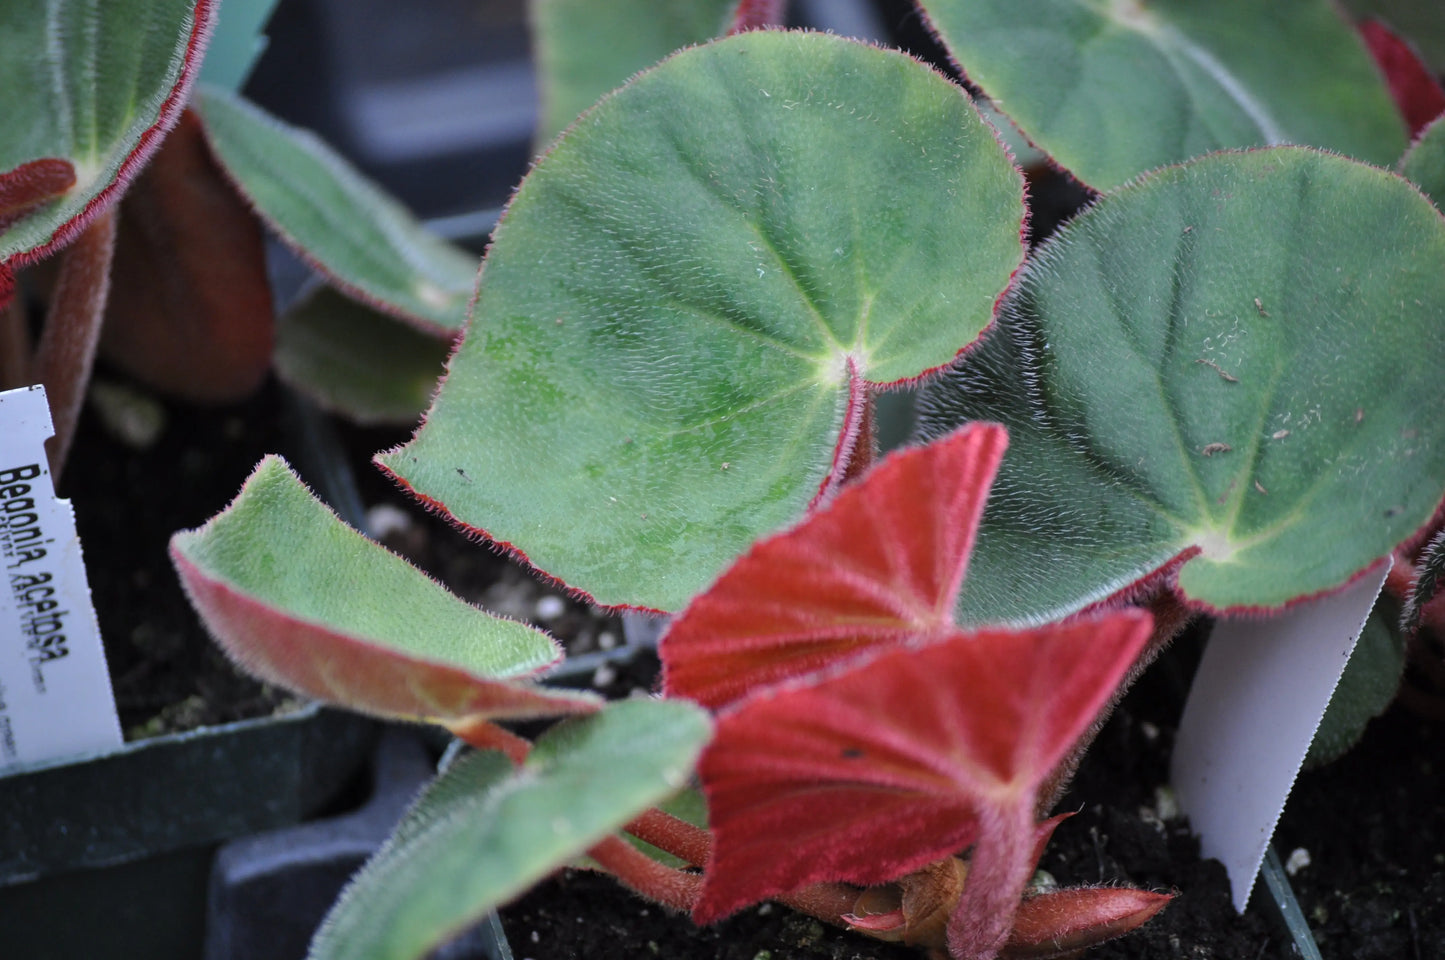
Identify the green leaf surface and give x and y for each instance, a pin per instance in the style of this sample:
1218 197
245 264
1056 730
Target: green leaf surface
333 217
667 319
585 49
1366 688
1111 88
93 83
481 834
357 362
304 601
1424 163
1226 357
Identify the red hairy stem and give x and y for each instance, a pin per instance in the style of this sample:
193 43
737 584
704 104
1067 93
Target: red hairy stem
828 902
14 336
678 837
66 352
757 15
865 443
485 735
675 889
998 871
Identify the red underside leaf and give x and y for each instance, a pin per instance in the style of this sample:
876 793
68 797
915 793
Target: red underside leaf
31 184
881 564
1414 88
190 309
876 770
319 662
757 15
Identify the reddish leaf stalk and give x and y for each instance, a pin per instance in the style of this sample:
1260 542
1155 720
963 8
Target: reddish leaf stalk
678 837
485 735
66 352
998 872
14 337
674 889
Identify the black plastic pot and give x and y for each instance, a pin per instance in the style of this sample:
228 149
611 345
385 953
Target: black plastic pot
107 856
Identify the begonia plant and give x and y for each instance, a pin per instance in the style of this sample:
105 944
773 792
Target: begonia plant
1216 387
151 191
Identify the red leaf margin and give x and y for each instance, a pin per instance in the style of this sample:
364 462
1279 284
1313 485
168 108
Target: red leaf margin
203 21
317 661
881 564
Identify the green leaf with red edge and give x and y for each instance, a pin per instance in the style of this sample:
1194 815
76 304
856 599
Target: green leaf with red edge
881 564
1111 89
585 48
1424 163
1059 924
190 305
301 600
872 771
1218 370
682 308
1416 91
345 226
93 85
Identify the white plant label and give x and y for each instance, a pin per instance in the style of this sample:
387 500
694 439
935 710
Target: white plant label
55 696
1257 700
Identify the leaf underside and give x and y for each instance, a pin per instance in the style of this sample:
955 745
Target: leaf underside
685 295
877 770
95 85
357 362
335 219
190 310
880 565
1113 89
1225 358
481 834
1415 89
302 600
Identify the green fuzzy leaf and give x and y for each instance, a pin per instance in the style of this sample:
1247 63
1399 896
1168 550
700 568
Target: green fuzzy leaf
1226 357
585 49
337 220
304 601
357 362
481 834
687 292
94 84
1366 688
1112 88
1424 163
